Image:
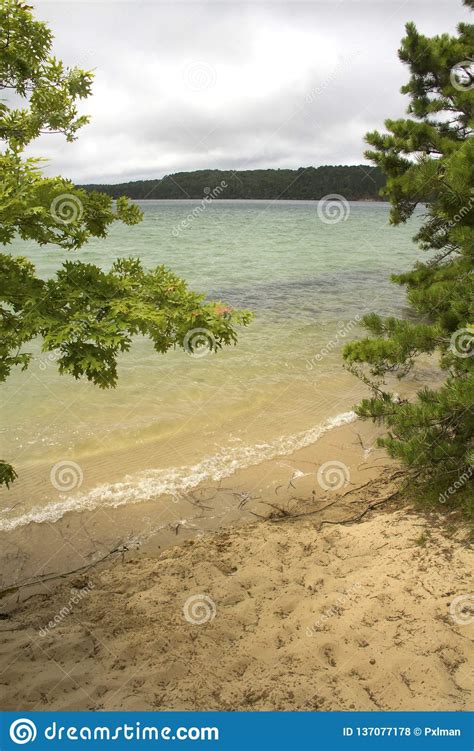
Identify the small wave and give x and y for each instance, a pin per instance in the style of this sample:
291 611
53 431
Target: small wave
153 483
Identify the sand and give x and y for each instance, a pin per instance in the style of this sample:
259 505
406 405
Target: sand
280 614
347 455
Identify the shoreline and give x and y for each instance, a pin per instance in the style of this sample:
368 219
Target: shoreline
262 200
294 612
300 583
81 537
174 481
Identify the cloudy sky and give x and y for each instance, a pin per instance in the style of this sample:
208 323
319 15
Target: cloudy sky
241 85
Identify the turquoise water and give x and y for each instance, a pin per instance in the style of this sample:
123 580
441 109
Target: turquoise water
176 417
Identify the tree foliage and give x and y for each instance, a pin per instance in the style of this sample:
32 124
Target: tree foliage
306 183
430 154
87 316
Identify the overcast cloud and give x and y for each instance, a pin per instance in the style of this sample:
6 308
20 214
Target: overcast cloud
242 85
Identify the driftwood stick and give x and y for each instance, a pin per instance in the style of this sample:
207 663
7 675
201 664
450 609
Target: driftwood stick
280 510
341 521
259 516
358 517
305 513
354 490
119 550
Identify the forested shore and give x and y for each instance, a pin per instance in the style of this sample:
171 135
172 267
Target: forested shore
354 183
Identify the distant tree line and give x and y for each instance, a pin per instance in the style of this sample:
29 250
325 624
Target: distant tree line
359 182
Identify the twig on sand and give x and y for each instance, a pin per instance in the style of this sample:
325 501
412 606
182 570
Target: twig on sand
350 520
353 490
361 442
358 517
305 513
245 497
119 550
260 516
282 511
391 477
194 502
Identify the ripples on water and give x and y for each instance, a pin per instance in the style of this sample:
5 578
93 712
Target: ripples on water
303 279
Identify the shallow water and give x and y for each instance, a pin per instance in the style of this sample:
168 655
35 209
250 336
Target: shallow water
176 420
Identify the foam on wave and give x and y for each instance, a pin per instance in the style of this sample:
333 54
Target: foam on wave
153 483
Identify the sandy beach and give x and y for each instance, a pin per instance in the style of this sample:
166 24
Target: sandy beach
289 605
237 368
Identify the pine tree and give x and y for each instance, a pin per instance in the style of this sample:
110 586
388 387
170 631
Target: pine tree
428 159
